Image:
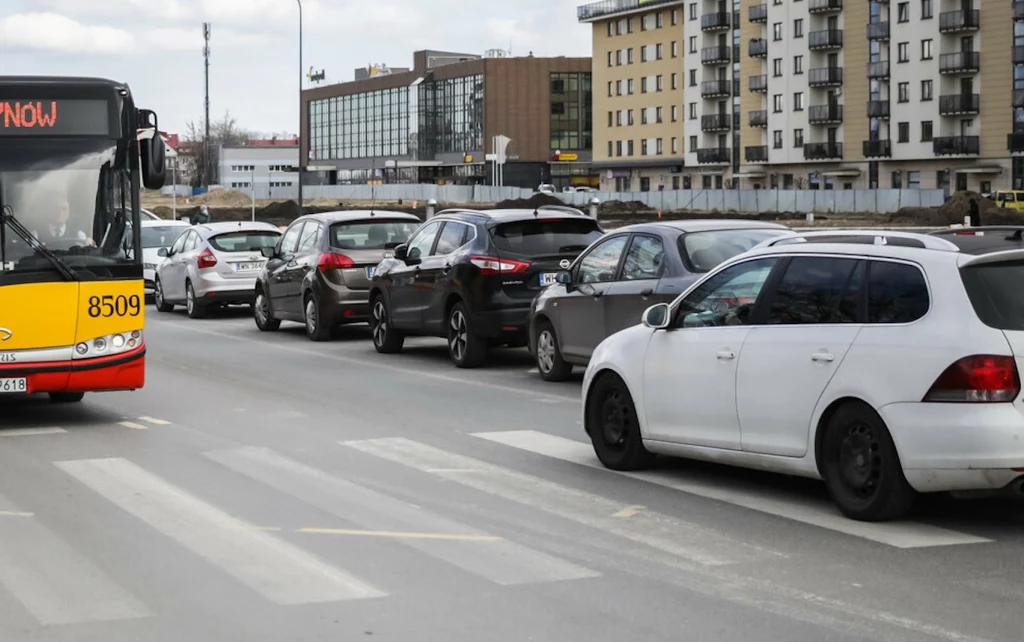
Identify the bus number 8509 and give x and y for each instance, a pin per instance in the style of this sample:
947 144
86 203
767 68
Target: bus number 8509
109 305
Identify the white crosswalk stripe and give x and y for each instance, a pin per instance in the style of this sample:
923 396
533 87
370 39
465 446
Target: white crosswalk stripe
274 568
808 511
502 561
685 540
51 580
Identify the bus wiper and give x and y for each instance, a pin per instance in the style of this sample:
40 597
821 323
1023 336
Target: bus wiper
7 219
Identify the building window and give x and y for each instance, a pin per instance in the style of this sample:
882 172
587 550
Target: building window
693 44
798 101
903 50
693 143
798 28
904 133
777 31
693 111
777 139
926 131
693 11
675 48
926 9
571 108
693 77
675 150
675 113
798 65
903 12
675 81
777 67
659 147
798 138
382 122
926 49
926 89
903 90
777 103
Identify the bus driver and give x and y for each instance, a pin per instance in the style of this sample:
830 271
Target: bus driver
55 231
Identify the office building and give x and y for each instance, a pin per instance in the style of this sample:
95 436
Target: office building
265 164
438 122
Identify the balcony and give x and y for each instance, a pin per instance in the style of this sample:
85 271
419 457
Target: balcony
758 118
1015 142
758 13
825 39
716 88
956 145
758 48
716 123
756 154
878 70
718 55
961 62
825 6
825 77
1018 10
825 115
823 151
877 149
959 104
714 156
878 30
1018 54
878 109
1018 98
959 21
605 8
758 84
717 21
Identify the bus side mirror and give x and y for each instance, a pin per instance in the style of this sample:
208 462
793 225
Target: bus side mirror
154 162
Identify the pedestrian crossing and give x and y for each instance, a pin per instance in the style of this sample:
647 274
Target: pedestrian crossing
58 581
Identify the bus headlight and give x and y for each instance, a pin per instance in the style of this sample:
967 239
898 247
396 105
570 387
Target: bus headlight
108 345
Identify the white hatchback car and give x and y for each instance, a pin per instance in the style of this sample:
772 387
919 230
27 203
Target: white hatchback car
884 363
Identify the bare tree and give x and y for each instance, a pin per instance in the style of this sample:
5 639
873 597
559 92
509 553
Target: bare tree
222 132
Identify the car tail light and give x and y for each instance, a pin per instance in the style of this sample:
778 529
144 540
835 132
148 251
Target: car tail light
492 265
206 259
331 261
981 378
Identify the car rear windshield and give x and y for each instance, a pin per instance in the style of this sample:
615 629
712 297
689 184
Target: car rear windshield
161 235
371 235
546 236
703 251
994 291
244 241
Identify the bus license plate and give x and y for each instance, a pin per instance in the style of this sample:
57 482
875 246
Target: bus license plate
547 278
247 267
13 386
369 272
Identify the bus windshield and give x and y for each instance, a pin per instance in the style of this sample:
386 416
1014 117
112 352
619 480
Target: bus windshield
73 199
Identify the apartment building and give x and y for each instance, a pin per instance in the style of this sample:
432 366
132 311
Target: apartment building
882 94
638 93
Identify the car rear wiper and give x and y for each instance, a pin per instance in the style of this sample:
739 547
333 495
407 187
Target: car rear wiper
7 219
573 248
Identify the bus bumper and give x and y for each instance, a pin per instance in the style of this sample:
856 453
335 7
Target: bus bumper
117 372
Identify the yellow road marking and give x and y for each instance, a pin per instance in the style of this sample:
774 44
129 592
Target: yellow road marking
155 422
348 531
15 513
629 511
132 425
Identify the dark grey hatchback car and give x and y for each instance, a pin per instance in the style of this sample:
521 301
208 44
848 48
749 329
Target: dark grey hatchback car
620 275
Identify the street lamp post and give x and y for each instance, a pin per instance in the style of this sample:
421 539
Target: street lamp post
301 105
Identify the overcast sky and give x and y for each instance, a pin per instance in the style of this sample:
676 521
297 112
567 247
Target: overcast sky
156 45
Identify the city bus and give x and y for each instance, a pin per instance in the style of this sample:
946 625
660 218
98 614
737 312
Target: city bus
74 153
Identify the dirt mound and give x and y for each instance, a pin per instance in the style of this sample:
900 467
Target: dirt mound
624 207
223 198
959 205
537 200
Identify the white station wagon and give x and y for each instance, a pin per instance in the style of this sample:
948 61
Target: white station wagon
885 363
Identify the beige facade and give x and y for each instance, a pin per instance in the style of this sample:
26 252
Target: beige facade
637 93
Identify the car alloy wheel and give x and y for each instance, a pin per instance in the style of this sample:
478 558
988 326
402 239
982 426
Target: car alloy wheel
190 300
380 323
311 319
261 309
458 335
545 351
158 294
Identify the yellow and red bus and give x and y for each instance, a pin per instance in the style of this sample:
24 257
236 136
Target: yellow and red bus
73 155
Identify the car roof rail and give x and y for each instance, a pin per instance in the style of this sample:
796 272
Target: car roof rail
878 237
1016 231
561 208
461 210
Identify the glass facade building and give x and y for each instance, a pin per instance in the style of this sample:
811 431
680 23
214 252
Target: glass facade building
572 124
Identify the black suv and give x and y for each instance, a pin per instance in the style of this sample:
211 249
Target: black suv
470 275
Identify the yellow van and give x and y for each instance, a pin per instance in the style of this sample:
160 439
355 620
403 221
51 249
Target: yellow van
1010 199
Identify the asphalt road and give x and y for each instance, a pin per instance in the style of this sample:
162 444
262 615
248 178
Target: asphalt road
265 488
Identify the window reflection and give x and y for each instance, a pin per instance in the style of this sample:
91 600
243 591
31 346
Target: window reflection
571 114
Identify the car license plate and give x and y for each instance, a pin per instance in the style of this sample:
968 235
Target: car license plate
247 267
369 272
547 278
11 386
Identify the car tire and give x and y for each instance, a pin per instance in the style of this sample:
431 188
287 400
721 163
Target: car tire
316 330
158 298
861 467
386 339
194 308
262 314
550 364
66 397
465 348
613 426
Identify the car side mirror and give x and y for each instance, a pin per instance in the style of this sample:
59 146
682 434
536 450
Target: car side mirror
162 252
402 252
656 317
268 252
565 278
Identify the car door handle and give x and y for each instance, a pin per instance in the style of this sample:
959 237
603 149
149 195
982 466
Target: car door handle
726 355
646 293
823 357
444 270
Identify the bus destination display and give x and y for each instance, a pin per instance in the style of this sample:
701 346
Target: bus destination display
48 117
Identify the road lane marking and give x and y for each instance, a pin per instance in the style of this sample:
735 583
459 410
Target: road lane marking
808 511
682 539
377 514
441 536
377 363
16 513
155 422
53 582
629 511
279 571
28 432
132 425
